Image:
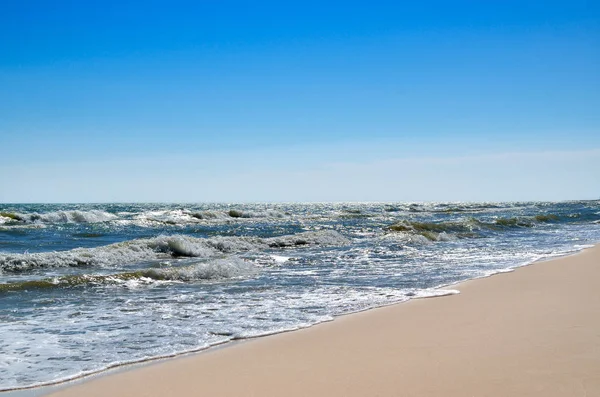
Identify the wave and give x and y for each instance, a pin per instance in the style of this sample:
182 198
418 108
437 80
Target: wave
214 270
438 231
469 227
167 217
255 214
7 217
531 221
320 237
456 207
162 247
176 217
218 269
514 222
73 216
445 207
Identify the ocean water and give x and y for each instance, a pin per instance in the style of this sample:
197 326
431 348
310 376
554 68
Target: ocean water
84 288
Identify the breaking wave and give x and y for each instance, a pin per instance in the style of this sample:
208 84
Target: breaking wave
440 231
147 218
471 227
321 237
529 221
213 270
162 247
73 216
183 216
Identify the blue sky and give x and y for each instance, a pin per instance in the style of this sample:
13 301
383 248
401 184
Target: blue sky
281 101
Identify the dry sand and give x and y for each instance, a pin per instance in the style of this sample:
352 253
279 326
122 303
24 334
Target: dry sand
532 332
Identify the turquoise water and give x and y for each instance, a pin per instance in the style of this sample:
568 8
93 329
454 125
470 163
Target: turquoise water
88 287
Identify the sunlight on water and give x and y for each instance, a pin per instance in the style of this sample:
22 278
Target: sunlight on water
87 287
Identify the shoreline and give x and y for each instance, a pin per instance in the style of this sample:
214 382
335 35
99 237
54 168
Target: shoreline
88 383
50 387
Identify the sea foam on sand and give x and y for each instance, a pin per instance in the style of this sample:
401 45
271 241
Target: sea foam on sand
531 332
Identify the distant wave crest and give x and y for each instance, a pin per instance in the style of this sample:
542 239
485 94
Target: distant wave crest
470 227
73 216
146 218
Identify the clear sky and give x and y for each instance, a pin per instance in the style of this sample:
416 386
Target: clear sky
299 101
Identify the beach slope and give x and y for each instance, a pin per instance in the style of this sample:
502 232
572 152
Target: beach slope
532 332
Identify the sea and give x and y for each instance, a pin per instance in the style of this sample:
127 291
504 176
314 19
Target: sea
88 287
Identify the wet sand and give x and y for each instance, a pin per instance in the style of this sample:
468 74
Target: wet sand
531 332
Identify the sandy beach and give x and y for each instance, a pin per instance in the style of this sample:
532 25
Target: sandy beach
531 332
208 198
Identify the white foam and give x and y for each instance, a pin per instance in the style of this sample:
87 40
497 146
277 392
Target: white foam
133 251
432 293
443 236
72 216
319 237
184 216
280 259
218 269
181 303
